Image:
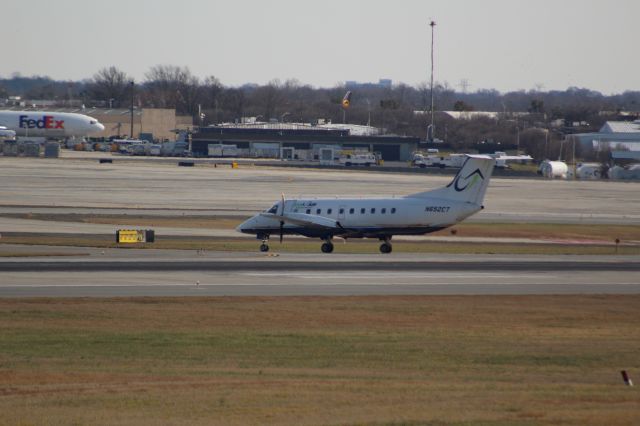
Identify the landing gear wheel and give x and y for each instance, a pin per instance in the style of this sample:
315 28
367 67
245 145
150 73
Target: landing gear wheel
385 248
264 248
327 248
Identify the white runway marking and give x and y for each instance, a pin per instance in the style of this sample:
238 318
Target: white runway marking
395 275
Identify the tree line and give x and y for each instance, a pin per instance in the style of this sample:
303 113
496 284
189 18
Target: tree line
524 116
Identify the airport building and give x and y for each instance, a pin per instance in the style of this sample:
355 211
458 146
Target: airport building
298 141
148 123
612 134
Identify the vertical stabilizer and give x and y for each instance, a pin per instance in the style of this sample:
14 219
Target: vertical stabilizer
469 185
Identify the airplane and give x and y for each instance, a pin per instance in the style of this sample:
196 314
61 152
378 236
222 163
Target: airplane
380 218
49 124
502 158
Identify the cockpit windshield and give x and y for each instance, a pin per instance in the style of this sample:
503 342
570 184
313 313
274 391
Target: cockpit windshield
273 209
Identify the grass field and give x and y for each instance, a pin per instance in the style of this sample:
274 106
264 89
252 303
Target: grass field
304 245
541 231
345 360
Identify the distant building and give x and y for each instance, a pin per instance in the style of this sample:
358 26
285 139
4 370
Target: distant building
268 140
613 134
320 124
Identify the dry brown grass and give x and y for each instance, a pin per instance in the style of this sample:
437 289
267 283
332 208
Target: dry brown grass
548 231
539 231
211 222
305 245
312 360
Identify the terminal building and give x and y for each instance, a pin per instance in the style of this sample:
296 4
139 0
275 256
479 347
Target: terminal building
299 141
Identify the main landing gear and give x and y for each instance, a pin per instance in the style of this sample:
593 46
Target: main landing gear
327 246
386 246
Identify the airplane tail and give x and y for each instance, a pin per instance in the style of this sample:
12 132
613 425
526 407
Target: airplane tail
469 185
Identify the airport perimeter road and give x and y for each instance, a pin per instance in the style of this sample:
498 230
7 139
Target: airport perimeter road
243 277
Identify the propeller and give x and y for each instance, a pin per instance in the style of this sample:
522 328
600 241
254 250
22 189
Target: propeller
281 221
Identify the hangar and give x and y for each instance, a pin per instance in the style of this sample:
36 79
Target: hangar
269 140
611 135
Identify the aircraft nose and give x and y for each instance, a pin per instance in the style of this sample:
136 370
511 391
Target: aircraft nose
243 226
247 226
100 127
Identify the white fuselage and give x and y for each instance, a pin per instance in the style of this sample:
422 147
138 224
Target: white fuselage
49 124
362 217
381 218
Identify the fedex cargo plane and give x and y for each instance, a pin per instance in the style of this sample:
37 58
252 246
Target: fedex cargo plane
49 124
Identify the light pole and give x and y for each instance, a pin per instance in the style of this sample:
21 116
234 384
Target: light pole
131 132
431 128
546 143
517 138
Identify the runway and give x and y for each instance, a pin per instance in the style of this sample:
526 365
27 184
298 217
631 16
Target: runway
307 275
263 265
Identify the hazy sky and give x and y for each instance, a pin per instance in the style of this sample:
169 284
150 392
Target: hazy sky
501 44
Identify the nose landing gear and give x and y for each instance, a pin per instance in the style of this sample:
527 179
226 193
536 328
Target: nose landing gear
264 247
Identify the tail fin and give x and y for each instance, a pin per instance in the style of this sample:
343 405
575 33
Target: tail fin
469 185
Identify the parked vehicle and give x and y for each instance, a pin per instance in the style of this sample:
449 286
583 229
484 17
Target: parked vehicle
359 159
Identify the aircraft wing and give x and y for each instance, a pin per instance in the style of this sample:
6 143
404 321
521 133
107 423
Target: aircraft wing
303 219
514 157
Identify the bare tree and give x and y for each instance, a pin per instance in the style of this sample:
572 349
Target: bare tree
171 86
110 85
233 103
269 98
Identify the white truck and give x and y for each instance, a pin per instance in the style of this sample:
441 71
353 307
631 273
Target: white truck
453 160
358 159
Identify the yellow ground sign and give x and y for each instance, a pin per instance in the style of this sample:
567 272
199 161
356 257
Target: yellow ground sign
131 236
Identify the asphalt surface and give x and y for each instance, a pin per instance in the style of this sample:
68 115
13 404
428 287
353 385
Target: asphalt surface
325 266
66 186
178 273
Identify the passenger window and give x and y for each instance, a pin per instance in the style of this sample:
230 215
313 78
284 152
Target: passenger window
341 211
383 211
329 211
373 210
308 211
362 211
318 211
351 211
393 210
